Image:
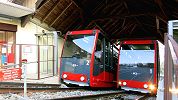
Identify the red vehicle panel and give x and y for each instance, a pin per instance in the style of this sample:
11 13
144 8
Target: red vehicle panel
75 77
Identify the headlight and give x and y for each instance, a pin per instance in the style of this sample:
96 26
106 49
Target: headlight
124 83
120 83
82 78
145 86
65 76
152 87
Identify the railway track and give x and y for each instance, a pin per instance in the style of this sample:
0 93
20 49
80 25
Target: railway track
13 87
16 84
20 90
119 95
8 87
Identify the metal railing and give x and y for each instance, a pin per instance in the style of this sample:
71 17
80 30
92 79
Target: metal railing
40 59
170 67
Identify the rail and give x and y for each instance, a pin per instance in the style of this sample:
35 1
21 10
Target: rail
170 67
121 95
16 87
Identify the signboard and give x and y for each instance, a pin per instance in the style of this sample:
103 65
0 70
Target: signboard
10 73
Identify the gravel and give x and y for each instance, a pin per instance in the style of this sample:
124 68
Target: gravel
50 95
67 93
120 97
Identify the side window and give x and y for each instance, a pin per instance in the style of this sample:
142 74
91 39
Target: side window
98 66
107 54
98 51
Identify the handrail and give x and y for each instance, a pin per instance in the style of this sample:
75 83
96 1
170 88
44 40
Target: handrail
174 44
24 44
170 66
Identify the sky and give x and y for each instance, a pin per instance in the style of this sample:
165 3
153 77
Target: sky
136 56
141 58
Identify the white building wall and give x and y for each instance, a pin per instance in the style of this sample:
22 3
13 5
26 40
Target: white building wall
60 47
26 35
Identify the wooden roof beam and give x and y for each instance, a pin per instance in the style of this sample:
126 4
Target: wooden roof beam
107 23
152 26
108 6
123 16
157 28
125 28
115 28
116 25
104 31
123 23
68 18
163 19
41 5
141 25
99 7
60 14
116 9
160 4
130 31
125 4
90 24
129 24
157 23
70 25
77 5
111 25
51 10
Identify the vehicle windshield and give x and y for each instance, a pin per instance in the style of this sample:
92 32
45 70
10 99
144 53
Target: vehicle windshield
78 46
76 55
137 65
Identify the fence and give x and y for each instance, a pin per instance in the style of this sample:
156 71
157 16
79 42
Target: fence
40 59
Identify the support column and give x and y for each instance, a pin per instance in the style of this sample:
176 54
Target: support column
170 28
55 53
167 95
176 76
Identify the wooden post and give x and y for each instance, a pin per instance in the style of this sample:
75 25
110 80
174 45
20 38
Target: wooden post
167 95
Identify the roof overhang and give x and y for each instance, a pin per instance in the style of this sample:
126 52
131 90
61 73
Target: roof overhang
117 19
14 10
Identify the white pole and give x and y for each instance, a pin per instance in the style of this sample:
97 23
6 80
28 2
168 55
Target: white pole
55 52
24 61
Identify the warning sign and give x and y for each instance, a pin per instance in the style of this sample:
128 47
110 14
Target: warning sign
10 73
